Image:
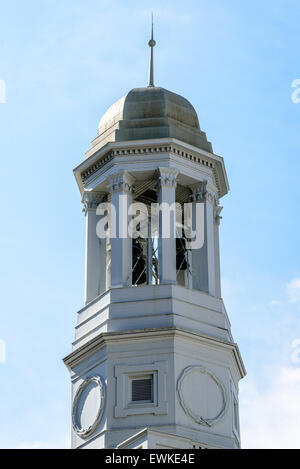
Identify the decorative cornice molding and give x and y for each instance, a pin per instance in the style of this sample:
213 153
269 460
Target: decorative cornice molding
167 177
145 150
208 422
94 168
86 432
103 339
121 182
92 199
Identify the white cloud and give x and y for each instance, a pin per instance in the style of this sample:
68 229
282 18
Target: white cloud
2 352
275 303
293 290
270 418
64 444
2 92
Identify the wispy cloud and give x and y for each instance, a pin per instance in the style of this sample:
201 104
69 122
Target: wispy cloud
293 290
275 303
64 444
270 418
2 92
2 352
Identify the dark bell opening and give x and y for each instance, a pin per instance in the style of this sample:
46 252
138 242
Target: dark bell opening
139 275
181 261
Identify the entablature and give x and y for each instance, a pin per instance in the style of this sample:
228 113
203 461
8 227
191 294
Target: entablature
145 156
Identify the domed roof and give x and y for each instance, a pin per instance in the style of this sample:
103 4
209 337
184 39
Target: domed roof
150 113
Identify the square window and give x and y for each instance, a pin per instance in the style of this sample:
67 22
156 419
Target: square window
142 389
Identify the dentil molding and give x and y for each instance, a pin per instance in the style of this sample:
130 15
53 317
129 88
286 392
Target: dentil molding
145 150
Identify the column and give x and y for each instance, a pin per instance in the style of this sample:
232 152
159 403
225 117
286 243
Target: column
121 189
95 250
167 182
203 260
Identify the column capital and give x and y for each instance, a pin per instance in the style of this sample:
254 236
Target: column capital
91 200
121 182
204 192
167 177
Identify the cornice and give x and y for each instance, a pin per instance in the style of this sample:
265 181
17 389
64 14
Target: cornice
109 338
100 158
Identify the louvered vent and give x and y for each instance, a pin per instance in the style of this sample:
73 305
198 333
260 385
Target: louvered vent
142 389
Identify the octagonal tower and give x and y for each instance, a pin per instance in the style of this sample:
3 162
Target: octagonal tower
154 364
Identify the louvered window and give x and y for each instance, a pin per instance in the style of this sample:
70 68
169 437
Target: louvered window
142 389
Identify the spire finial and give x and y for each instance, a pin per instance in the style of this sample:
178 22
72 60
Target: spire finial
152 44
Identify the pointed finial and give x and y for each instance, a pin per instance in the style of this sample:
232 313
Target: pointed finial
152 44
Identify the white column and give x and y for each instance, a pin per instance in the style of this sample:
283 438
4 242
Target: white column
95 250
167 182
203 260
121 189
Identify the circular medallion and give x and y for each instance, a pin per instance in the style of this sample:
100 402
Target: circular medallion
88 406
202 395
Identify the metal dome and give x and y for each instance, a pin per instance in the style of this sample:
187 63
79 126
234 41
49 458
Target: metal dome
152 113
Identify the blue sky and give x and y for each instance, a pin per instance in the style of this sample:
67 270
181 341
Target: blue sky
64 62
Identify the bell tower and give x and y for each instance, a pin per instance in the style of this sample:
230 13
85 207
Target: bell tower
153 364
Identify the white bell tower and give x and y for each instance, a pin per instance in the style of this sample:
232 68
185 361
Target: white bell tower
154 364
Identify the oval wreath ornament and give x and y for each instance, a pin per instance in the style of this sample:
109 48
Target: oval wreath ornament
86 432
209 422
